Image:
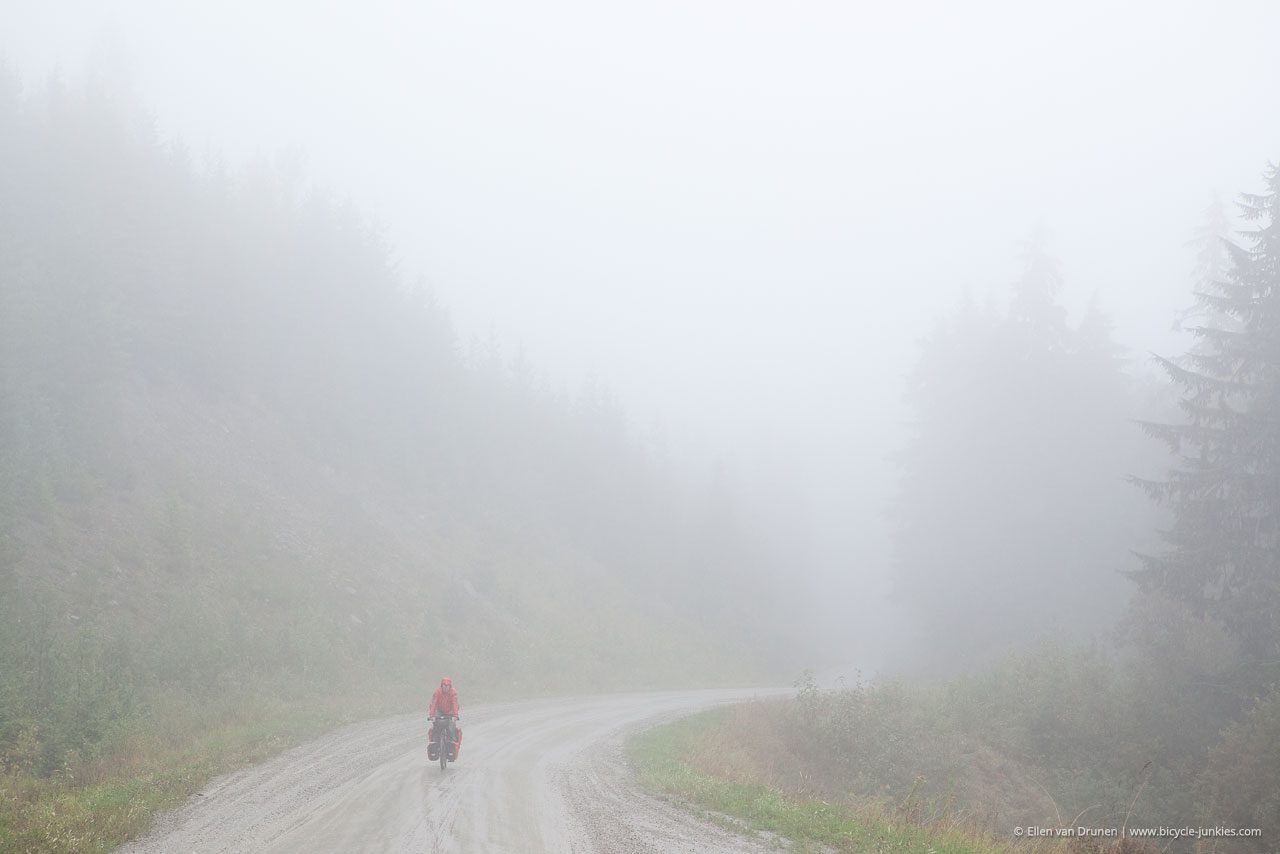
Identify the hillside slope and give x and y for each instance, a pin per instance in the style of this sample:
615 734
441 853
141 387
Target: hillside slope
240 458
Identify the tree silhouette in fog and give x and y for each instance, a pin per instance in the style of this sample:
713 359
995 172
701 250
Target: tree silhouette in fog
1012 518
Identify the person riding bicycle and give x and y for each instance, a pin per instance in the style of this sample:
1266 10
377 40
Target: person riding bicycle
444 703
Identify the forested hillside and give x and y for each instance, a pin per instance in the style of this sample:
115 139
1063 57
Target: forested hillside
239 455
1090 687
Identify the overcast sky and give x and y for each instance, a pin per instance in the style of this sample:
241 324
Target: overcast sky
740 215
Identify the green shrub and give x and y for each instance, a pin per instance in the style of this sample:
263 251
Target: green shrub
1240 786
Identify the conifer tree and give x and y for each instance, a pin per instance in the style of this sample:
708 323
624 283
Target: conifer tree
1011 508
1223 559
1213 259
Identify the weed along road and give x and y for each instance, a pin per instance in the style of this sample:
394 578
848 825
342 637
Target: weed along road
542 775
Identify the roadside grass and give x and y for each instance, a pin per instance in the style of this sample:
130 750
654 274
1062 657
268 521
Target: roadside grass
102 803
662 759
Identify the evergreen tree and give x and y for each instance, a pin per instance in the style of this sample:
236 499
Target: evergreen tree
1213 260
1223 560
1012 507
1034 311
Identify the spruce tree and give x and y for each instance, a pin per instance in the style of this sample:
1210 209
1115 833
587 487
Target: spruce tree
1212 261
1223 559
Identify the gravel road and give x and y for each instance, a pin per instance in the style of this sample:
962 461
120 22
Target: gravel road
542 775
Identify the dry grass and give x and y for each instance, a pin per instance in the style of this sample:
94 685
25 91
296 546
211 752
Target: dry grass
738 761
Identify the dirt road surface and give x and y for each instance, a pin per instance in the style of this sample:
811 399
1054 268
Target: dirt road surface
544 775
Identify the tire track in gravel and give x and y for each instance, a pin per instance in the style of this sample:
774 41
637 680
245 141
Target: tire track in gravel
538 775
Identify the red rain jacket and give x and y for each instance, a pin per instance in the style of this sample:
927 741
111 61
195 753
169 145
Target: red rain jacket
445 700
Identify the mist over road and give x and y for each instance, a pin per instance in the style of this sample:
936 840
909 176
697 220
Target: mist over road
541 775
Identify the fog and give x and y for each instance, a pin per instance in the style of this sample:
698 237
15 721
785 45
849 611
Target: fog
740 217
576 347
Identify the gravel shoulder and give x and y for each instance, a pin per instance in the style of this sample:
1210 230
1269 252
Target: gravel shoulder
541 775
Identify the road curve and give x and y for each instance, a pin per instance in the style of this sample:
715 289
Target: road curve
539 775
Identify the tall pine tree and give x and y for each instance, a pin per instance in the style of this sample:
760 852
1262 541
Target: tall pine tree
1213 259
1223 560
